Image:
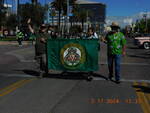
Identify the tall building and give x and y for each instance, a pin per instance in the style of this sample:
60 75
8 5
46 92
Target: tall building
97 9
97 13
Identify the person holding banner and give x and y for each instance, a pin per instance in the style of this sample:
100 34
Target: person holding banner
40 45
115 49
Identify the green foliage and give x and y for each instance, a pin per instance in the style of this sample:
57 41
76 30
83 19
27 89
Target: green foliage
141 26
2 14
35 12
11 21
12 38
61 7
81 15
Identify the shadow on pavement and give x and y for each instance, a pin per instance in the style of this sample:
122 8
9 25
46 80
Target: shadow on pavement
31 72
139 56
134 48
65 75
141 88
101 76
74 75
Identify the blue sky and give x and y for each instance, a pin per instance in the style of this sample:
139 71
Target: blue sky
117 7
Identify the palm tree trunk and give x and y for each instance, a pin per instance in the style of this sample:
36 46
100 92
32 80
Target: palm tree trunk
82 25
59 15
52 20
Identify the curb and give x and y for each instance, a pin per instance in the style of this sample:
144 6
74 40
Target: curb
15 43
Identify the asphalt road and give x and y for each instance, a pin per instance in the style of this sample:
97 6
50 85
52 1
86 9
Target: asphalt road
21 91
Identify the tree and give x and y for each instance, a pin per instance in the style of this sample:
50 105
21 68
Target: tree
58 5
81 15
34 2
35 12
53 13
61 7
2 13
11 21
140 26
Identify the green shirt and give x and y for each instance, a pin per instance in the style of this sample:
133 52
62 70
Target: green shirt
19 35
115 43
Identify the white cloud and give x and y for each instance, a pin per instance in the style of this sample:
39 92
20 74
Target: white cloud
128 21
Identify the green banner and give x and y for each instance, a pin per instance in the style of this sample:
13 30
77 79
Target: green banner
73 54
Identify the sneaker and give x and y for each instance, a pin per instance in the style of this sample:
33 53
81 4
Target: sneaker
118 81
89 78
41 74
110 78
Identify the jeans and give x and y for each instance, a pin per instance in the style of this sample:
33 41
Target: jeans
41 60
117 60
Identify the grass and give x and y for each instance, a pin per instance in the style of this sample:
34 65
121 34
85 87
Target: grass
9 38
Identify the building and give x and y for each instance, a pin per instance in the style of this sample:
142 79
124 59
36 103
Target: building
52 16
97 9
96 14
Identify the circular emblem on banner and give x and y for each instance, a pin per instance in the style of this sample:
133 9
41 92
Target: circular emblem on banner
72 55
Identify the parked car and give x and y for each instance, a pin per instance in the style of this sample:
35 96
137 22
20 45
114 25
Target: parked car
143 41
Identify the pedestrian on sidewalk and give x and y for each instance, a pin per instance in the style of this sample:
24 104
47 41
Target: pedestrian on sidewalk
115 49
19 37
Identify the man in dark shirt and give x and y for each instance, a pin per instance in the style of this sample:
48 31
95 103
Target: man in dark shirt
40 45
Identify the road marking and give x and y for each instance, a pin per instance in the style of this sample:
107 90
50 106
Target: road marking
14 86
124 80
18 75
143 100
137 64
147 88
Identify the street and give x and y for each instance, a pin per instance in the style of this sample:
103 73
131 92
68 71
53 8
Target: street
21 91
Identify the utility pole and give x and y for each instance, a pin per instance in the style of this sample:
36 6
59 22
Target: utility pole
145 17
68 16
17 13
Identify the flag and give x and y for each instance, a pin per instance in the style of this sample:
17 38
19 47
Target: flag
73 54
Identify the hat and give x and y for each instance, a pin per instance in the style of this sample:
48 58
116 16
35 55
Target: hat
115 24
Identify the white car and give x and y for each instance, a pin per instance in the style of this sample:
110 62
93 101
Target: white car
143 41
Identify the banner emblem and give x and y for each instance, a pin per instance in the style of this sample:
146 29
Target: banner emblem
72 55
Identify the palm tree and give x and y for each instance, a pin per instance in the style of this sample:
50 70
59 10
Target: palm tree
34 2
2 13
58 5
61 7
53 13
81 15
